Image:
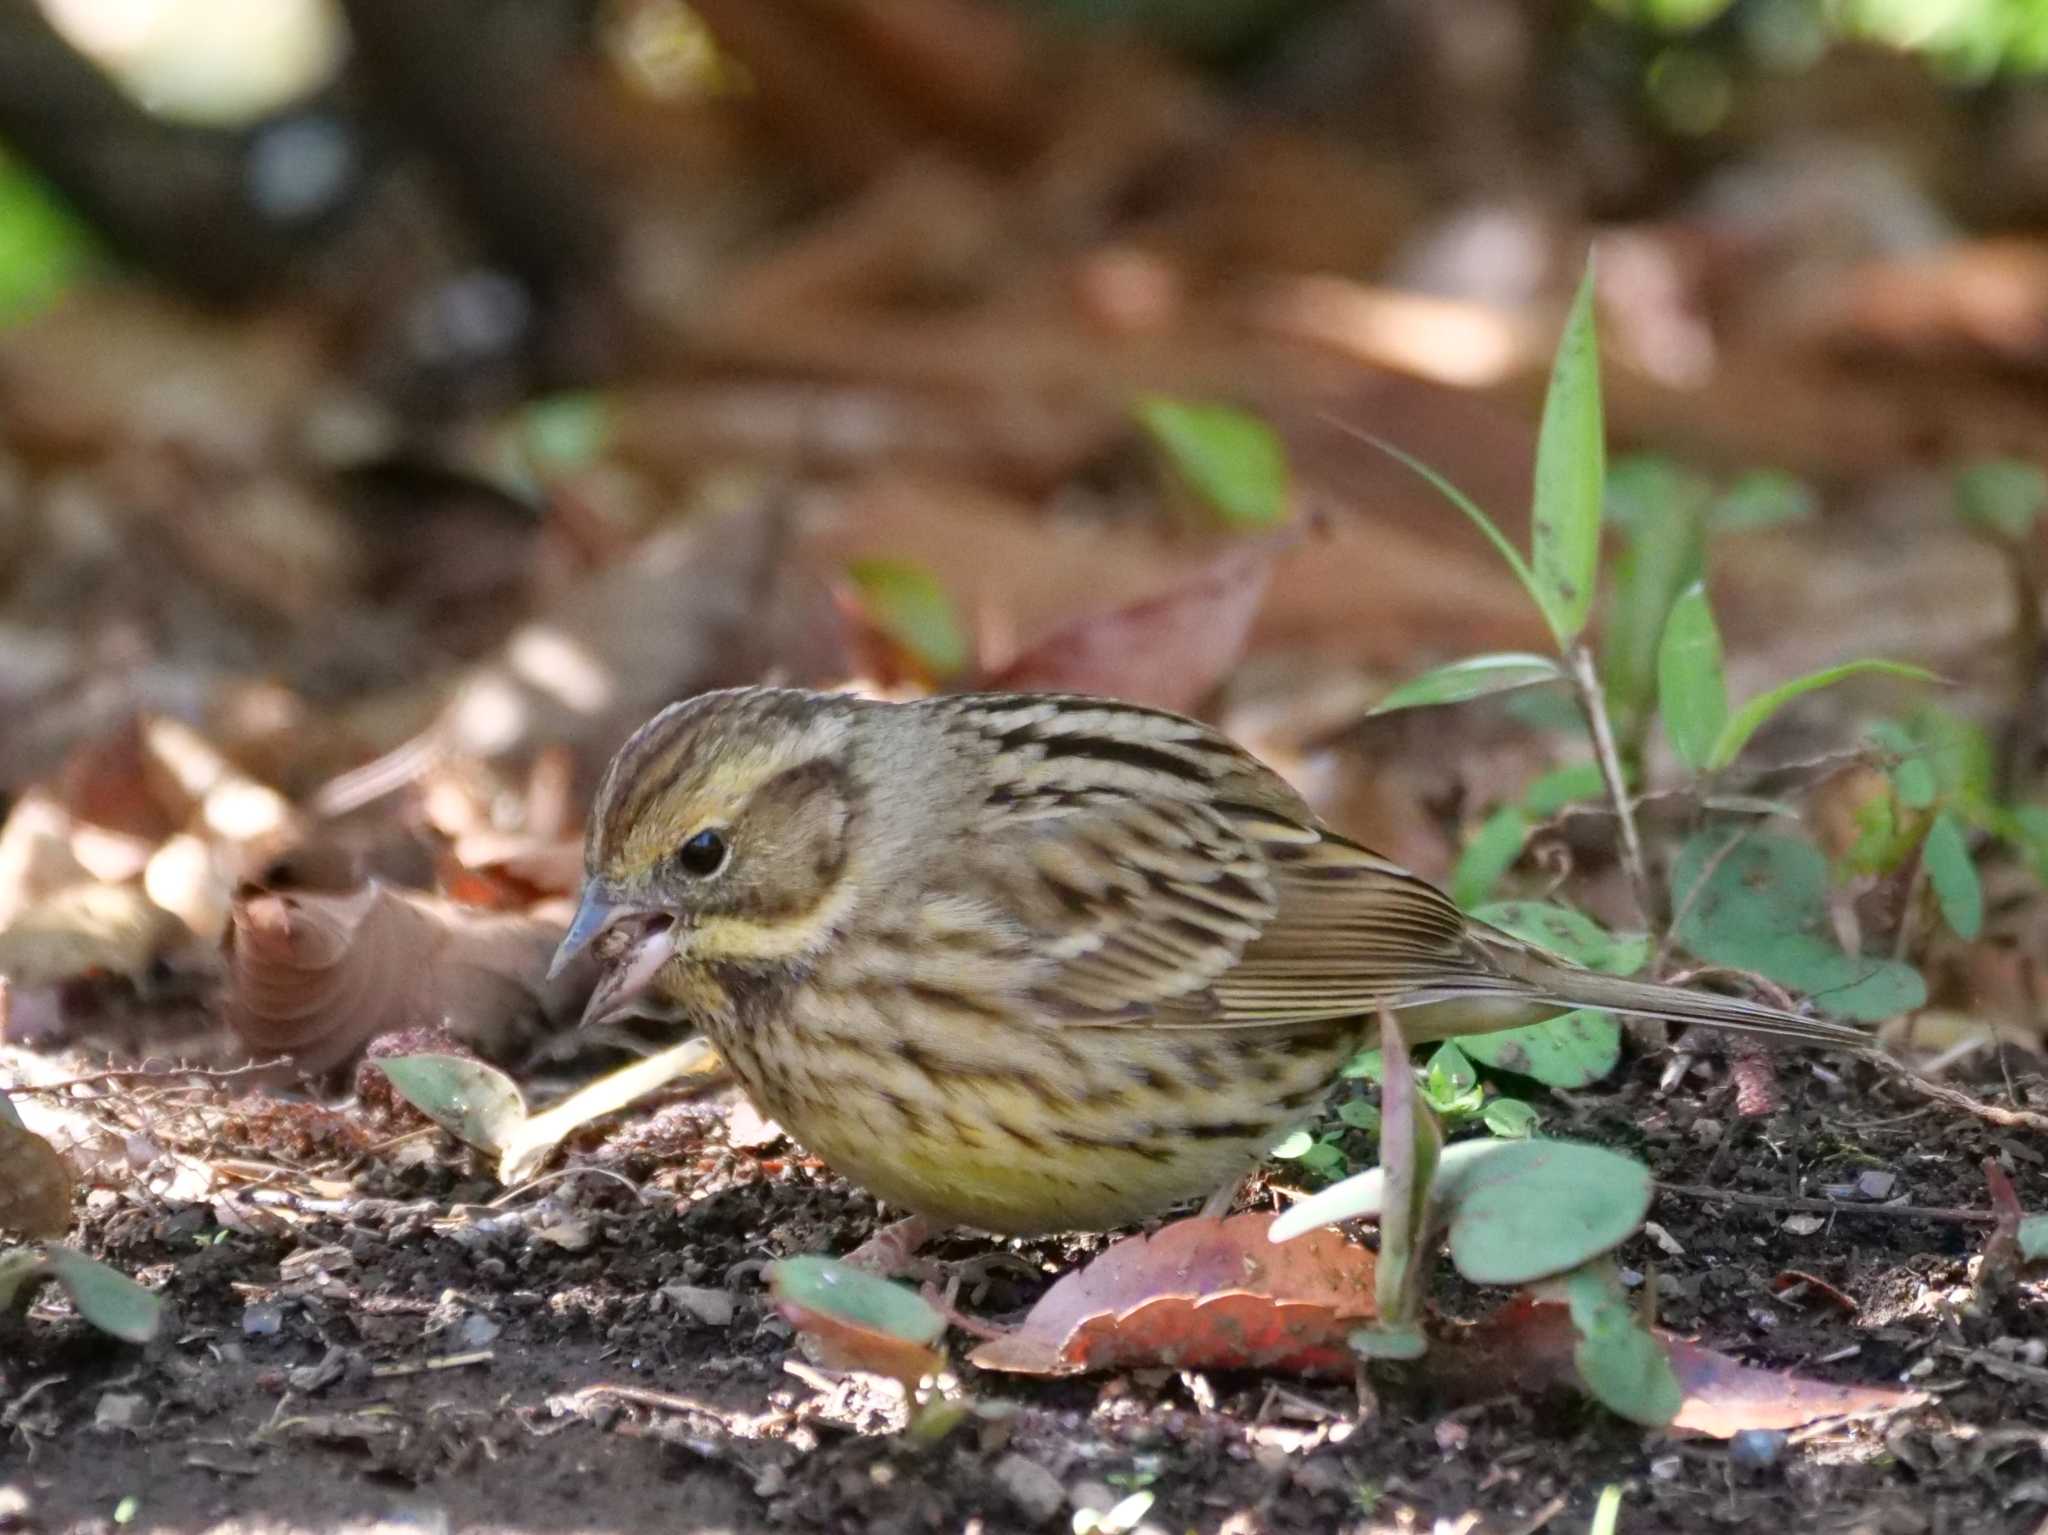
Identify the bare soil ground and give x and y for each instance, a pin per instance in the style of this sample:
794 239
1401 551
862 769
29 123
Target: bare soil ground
415 1359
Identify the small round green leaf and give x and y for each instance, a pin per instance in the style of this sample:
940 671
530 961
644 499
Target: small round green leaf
1230 458
472 1101
1570 1051
1510 1118
1763 907
839 1290
2033 1238
1536 1208
1622 1363
110 1300
1571 934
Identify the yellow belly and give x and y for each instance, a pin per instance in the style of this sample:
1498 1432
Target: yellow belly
1038 1128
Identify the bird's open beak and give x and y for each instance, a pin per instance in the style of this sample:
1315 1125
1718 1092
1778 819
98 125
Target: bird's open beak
632 943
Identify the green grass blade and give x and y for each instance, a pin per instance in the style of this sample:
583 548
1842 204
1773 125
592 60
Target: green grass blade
1473 677
1469 507
1747 720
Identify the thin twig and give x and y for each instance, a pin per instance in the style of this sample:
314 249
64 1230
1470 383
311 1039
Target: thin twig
1950 1214
168 1075
1587 681
1956 1098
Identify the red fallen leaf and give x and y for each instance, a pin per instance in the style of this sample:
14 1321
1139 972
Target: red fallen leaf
1799 1280
317 976
1168 650
1200 1294
1526 1346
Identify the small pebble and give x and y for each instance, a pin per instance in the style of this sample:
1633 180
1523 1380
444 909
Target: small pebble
477 1330
1754 1449
262 1319
1035 1490
1876 1185
711 1307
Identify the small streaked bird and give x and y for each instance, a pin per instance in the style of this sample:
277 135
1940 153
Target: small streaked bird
1032 963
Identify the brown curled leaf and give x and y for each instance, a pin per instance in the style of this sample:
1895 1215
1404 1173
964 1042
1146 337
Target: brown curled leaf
1169 650
1200 1294
318 976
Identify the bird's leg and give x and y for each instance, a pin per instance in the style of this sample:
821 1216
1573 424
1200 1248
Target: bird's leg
1218 1204
890 1251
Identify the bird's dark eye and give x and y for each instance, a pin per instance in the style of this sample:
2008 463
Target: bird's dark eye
703 854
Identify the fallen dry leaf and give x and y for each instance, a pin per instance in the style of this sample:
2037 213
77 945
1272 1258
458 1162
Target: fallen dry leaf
1526 1346
84 929
318 976
35 1185
1169 651
1200 1294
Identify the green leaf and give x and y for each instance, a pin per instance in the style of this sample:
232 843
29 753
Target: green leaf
1912 773
1470 508
1571 469
1474 677
1750 717
1692 688
1293 1146
1763 498
1450 1073
566 432
1523 1210
1360 1115
2002 497
107 1298
2026 828
1510 1118
1954 877
1763 907
1620 1360
1661 511
43 248
1490 854
1369 1064
2033 1239
19 1266
1228 457
905 601
1570 933
1567 785
472 1101
858 1320
854 1295
1572 1050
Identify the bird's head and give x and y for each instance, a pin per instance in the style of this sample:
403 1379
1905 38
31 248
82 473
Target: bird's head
720 836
